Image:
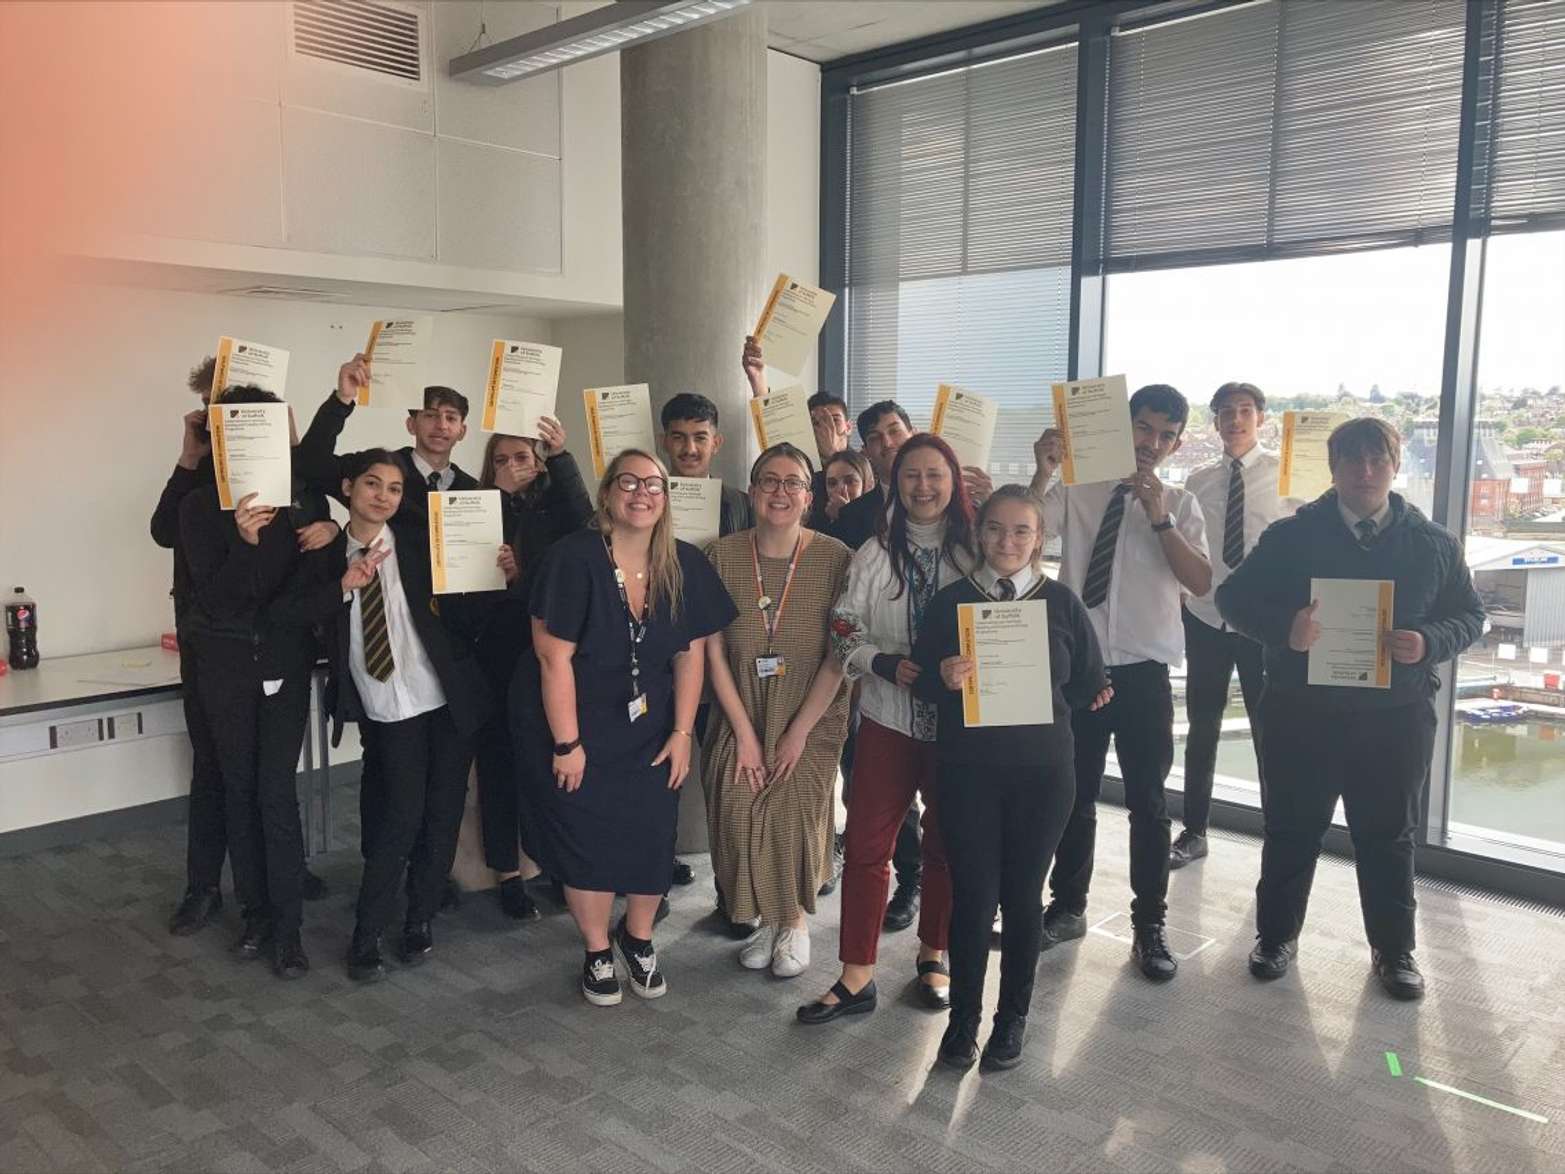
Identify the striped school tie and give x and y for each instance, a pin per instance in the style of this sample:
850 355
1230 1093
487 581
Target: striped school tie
1233 522
1100 567
378 661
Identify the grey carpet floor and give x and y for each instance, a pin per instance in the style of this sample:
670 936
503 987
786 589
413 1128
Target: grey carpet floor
124 1048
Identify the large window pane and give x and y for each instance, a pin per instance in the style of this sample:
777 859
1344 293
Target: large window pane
1509 743
1358 333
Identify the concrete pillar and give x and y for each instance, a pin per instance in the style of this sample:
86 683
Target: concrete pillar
693 163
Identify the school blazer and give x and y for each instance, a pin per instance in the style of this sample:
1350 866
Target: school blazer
444 625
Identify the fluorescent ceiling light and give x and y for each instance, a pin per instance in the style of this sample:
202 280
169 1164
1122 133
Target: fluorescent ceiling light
603 30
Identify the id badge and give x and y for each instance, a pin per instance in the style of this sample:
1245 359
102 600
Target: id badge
770 666
637 707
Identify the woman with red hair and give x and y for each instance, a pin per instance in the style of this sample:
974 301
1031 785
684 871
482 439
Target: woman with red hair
924 541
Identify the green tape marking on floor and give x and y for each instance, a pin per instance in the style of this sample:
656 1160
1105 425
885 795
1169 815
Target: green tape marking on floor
1393 1065
1472 1096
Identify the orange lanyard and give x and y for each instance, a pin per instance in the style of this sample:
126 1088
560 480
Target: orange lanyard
773 620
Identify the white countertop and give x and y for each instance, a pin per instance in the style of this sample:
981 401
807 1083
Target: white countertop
70 680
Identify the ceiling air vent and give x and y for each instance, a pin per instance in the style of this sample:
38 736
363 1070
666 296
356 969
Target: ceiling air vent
380 38
281 293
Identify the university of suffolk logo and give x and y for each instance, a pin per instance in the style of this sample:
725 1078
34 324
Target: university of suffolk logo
239 350
986 612
606 395
515 349
233 413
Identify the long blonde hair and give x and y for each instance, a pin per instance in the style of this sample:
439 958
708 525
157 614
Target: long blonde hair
665 579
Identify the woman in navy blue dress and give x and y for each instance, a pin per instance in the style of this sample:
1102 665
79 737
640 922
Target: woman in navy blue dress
605 710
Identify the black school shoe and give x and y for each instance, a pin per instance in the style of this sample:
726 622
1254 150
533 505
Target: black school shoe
683 874
959 1045
847 1004
1150 952
1269 960
418 943
599 984
1004 1049
195 909
364 960
516 900
934 998
1061 925
901 909
255 939
1399 974
838 860
288 957
641 964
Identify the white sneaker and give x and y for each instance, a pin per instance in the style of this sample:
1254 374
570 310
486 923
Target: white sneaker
791 953
757 949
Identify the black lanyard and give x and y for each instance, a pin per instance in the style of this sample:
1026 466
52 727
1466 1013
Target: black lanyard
637 628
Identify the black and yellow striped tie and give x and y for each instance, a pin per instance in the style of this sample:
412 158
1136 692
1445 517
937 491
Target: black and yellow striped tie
1100 567
1233 517
378 660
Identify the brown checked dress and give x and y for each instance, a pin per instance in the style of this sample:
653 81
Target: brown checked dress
771 851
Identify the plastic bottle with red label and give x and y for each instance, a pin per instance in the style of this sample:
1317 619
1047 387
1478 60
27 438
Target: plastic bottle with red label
21 629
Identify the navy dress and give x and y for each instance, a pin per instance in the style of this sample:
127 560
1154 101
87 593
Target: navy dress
615 833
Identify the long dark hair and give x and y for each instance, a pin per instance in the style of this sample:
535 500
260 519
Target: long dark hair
891 528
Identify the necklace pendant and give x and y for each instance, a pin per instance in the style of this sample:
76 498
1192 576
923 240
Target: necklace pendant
640 575
764 602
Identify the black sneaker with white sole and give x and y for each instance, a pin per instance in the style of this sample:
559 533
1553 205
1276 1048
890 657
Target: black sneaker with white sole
599 984
641 965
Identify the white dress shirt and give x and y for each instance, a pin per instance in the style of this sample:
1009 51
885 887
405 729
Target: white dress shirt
413 687
1262 507
445 477
1379 517
1140 618
986 577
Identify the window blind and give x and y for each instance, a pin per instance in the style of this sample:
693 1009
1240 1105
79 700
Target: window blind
1283 129
960 191
1527 161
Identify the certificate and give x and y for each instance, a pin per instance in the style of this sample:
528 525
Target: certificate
523 380
1355 622
1303 470
253 364
465 535
783 416
1094 415
965 420
1010 644
694 504
789 324
250 453
618 418
395 351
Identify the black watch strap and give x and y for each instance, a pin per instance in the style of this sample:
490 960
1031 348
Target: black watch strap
563 748
1165 524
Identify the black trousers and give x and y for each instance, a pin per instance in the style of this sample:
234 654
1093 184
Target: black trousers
206 831
417 792
1377 761
1000 833
1210 659
1140 720
502 797
258 740
907 858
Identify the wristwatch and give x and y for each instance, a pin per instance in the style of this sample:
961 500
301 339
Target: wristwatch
1165 524
561 749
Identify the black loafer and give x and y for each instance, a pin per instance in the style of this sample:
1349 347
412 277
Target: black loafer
1399 974
418 943
847 1004
255 940
959 1045
516 900
195 909
364 961
901 909
683 874
1061 925
935 998
1189 847
288 957
1150 952
1004 1049
1269 960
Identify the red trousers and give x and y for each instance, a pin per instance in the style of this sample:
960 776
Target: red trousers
888 770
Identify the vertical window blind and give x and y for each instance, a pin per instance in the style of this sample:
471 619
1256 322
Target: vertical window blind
960 193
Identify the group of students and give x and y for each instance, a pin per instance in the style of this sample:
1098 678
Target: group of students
818 630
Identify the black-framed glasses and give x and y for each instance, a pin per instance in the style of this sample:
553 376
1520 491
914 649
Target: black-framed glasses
771 483
655 485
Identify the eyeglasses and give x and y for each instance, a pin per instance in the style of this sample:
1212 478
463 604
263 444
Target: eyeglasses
771 483
994 532
629 483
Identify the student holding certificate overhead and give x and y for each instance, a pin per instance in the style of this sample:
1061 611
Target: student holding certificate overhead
769 758
1130 548
1005 790
1368 737
543 501
621 611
